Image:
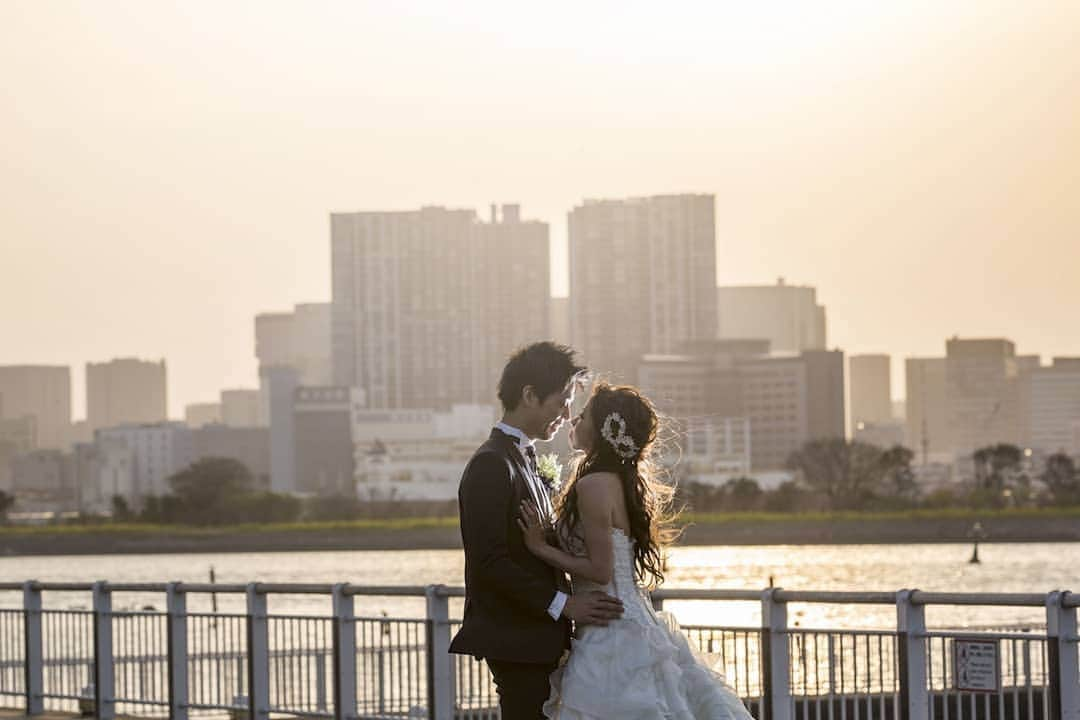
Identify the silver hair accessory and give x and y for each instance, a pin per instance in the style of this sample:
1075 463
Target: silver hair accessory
624 445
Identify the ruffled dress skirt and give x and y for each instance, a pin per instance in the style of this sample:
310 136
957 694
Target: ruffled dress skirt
640 667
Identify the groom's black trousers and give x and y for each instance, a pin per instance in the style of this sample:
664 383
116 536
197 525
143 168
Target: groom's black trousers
523 688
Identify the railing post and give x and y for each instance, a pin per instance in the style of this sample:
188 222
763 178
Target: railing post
1061 645
104 691
911 638
258 642
32 649
344 653
176 632
775 658
440 662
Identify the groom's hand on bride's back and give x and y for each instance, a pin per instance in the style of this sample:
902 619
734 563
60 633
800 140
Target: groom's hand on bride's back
593 608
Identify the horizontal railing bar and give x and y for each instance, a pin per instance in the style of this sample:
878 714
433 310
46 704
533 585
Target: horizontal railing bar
706 594
130 701
398 591
295 588
193 588
301 713
835 596
839 597
137 587
919 597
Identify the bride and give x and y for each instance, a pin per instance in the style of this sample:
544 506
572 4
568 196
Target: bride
613 524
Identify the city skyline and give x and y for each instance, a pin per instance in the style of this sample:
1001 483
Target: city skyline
918 176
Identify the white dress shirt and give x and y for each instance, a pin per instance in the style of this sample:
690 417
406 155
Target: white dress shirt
521 442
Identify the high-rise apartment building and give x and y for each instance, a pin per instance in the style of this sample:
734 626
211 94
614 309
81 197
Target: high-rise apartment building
427 304
42 392
125 391
871 390
981 393
642 278
559 322
788 316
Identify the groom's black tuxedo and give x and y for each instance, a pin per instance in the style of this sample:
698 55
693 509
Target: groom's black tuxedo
507 588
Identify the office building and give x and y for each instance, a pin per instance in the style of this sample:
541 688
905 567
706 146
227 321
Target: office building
125 391
299 339
199 414
871 390
325 457
1050 405
788 316
240 408
42 392
158 451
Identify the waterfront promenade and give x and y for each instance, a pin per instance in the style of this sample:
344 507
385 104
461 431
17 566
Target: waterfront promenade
161 660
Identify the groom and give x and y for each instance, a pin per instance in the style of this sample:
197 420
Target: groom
518 610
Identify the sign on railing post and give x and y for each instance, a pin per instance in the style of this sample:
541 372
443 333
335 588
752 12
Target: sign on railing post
344 653
1061 644
440 662
911 629
176 636
258 642
104 692
775 658
34 660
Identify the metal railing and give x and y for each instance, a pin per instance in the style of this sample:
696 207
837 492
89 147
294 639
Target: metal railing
175 663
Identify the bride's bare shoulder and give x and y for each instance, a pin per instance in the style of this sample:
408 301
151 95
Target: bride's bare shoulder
599 483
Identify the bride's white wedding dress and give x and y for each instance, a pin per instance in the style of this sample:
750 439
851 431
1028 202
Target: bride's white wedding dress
639 667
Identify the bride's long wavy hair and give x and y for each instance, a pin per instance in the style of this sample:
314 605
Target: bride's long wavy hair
648 497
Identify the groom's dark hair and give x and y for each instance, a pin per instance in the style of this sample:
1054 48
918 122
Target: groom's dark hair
547 366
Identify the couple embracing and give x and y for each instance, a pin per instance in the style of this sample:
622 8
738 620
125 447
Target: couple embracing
541 567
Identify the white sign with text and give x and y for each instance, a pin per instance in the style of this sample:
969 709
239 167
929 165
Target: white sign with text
975 665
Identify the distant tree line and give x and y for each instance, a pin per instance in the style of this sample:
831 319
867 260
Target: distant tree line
837 474
223 491
829 474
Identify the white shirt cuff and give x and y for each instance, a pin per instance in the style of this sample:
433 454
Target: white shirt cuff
556 607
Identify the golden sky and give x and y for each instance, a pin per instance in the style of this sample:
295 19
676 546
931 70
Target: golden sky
168 168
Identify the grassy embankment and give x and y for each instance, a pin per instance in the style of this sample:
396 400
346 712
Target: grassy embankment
414 523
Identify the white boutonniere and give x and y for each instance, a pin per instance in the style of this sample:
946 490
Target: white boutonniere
550 471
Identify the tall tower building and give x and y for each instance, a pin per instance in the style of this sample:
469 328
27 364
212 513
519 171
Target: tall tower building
871 389
427 304
642 278
42 392
125 391
788 316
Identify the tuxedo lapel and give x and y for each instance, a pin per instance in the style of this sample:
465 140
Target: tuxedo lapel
525 479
